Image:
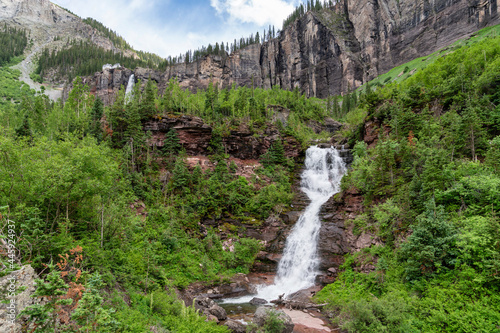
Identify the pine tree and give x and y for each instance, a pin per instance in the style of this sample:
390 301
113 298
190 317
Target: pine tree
148 106
274 155
90 315
24 130
171 144
180 174
96 114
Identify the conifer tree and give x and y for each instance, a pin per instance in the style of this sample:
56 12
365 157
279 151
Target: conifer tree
96 114
180 174
171 144
274 155
90 315
24 130
148 105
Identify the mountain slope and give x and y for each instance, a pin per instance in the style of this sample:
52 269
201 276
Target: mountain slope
342 47
53 28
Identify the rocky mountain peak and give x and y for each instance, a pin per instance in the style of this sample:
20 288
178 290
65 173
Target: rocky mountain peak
38 11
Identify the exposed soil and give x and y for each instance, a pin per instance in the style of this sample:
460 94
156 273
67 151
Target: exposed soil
27 66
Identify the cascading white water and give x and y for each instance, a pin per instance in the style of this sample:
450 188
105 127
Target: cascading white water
130 87
298 267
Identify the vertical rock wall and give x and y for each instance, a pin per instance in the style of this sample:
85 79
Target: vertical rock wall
335 50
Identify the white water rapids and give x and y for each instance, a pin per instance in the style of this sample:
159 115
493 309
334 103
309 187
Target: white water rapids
298 267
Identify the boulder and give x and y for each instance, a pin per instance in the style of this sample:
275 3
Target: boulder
258 301
24 282
263 314
235 326
212 318
217 311
210 309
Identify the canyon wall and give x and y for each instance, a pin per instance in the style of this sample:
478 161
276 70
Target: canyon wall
337 49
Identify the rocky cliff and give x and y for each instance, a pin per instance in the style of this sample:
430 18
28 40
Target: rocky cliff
331 51
45 21
337 49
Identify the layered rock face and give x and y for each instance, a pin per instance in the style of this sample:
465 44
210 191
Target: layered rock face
195 137
338 49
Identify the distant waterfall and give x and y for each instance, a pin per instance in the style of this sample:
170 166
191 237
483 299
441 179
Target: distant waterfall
298 267
130 87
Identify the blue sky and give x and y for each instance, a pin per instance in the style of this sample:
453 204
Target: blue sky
171 27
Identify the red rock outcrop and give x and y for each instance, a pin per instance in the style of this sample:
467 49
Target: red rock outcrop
242 143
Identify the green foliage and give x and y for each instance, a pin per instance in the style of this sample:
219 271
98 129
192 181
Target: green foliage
147 107
44 317
493 155
386 216
90 315
62 179
431 247
274 155
180 177
82 58
13 41
11 90
430 185
96 114
171 144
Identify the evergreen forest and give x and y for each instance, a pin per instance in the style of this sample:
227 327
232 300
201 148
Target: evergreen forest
82 58
113 224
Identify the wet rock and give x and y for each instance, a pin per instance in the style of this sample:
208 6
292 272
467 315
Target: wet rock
263 313
210 309
291 217
324 279
257 301
346 155
217 311
335 239
267 262
332 125
235 326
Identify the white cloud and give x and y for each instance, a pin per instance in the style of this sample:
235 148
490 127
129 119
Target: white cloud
259 12
168 27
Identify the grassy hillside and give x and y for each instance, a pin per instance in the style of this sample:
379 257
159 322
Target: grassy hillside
430 183
401 73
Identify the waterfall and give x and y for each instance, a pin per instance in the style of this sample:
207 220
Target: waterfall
130 87
298 266
297 269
